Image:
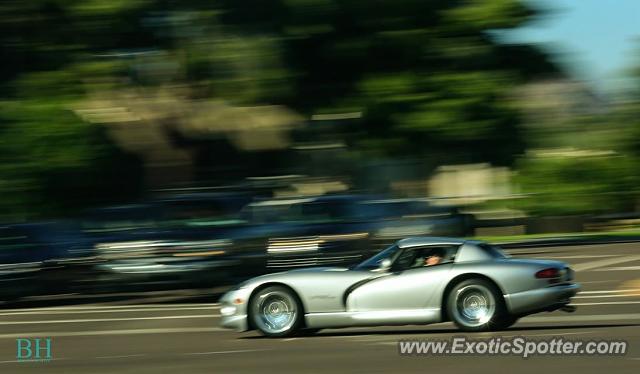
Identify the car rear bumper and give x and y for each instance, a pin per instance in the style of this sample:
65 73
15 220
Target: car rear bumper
541 299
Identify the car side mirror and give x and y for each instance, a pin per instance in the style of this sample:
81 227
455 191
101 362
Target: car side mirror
385 264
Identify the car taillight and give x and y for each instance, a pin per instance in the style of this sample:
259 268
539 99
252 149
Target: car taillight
548 273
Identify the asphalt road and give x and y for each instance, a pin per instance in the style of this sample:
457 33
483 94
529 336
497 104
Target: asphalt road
184 336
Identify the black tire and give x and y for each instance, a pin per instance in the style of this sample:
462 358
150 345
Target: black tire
477 305
505 322
307 332
276 312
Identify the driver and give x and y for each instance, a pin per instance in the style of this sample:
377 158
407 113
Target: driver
427 258
434 259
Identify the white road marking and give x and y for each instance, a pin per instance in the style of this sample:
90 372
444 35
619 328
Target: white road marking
121 356
374 338
399 335
549 334
606 262
226 352
621 268
34 362
385 343
583 318
111 332
583 256
607 303
153 310
603 281
603 296
107 319
105 307
612 291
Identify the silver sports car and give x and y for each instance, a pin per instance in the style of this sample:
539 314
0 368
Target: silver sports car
415 281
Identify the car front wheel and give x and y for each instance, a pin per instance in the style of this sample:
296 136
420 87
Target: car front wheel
276 312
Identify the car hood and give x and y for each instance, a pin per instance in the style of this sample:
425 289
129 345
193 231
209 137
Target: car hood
318 270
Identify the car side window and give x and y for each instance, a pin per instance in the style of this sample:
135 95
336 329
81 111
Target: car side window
405 260
419 257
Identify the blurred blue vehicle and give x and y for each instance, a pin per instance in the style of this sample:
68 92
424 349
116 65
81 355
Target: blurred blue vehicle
43 258
179 241
341 230
203 240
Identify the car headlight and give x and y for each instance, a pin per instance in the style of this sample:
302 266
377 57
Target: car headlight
228 310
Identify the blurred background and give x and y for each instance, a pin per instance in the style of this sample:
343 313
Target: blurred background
160 144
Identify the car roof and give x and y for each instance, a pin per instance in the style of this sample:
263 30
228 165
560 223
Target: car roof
429 240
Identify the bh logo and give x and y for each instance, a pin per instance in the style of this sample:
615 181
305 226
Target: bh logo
34 349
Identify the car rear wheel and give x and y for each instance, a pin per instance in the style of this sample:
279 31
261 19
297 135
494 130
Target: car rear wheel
476 305
276 312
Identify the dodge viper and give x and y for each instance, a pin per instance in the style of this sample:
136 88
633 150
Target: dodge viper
418 280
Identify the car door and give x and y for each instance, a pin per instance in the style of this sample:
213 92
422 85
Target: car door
408 286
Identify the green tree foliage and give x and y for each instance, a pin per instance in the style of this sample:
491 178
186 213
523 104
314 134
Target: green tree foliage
581 184
428 76
52 162
427 73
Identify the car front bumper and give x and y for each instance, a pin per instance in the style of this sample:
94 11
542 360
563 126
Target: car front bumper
234 309
541 299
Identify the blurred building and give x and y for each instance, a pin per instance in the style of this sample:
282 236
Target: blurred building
471 183
179 139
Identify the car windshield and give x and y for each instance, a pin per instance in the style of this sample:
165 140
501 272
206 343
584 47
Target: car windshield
375 261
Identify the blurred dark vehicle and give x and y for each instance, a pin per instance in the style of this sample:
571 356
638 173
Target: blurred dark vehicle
339 230
43 258
178 241
418 217
204 240
301 232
